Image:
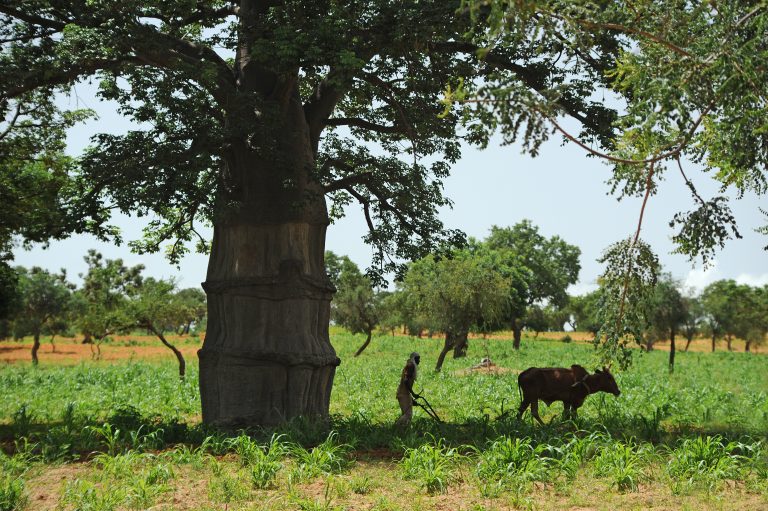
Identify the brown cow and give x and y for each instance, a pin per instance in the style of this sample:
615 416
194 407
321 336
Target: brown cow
571 386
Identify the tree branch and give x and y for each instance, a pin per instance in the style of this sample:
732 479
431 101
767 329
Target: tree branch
526 75
61 77
345 182
32 18
362 123
323 101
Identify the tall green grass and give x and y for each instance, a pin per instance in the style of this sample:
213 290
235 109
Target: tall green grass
706 424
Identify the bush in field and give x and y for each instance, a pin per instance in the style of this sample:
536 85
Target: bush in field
623 464
13 497
431 465
513 461
263 461
705 460
329 457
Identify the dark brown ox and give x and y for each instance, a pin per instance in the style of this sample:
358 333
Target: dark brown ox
571 386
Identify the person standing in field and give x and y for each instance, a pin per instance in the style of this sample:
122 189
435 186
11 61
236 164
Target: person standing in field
405 390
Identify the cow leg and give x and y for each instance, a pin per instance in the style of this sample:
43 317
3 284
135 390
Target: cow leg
522 408
535 411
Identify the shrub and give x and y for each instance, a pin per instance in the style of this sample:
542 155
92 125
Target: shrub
12 494
431 465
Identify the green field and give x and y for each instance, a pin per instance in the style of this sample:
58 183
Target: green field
127 435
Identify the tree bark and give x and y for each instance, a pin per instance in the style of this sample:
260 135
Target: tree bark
267 356
461 345
687 343
450 341
746 346
672 352
179 356
35 347
714 338
728 340
365 344
53 346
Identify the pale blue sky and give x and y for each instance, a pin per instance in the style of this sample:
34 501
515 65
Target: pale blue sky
561 191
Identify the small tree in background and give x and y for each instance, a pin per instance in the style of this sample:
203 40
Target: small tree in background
10 298
195 309
751 315
44 296
549 265
585 312
155 306
718 299
458 293
668 312
356 306
103 298
391 314
536 319
692 320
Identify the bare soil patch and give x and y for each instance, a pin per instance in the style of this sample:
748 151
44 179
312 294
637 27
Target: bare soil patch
70 351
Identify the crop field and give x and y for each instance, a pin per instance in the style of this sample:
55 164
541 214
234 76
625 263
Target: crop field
126 434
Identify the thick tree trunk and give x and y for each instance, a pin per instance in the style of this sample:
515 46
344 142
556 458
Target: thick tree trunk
267 356
728 340
714 338
461 345
746 346
450 341
365 344
35 347
179 356
672 352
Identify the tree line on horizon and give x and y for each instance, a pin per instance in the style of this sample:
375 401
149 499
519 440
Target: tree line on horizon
516 279
113 299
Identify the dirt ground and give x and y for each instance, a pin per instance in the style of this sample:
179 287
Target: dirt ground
125 347
122 347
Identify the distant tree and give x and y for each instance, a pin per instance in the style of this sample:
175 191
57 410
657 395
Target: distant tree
458 293
356 306
692 321
585 312
718 299
44 296
103 297
155 306
750 315
195 308
391 314
10 297
60 324
550 265
557 317
536 319
668 312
